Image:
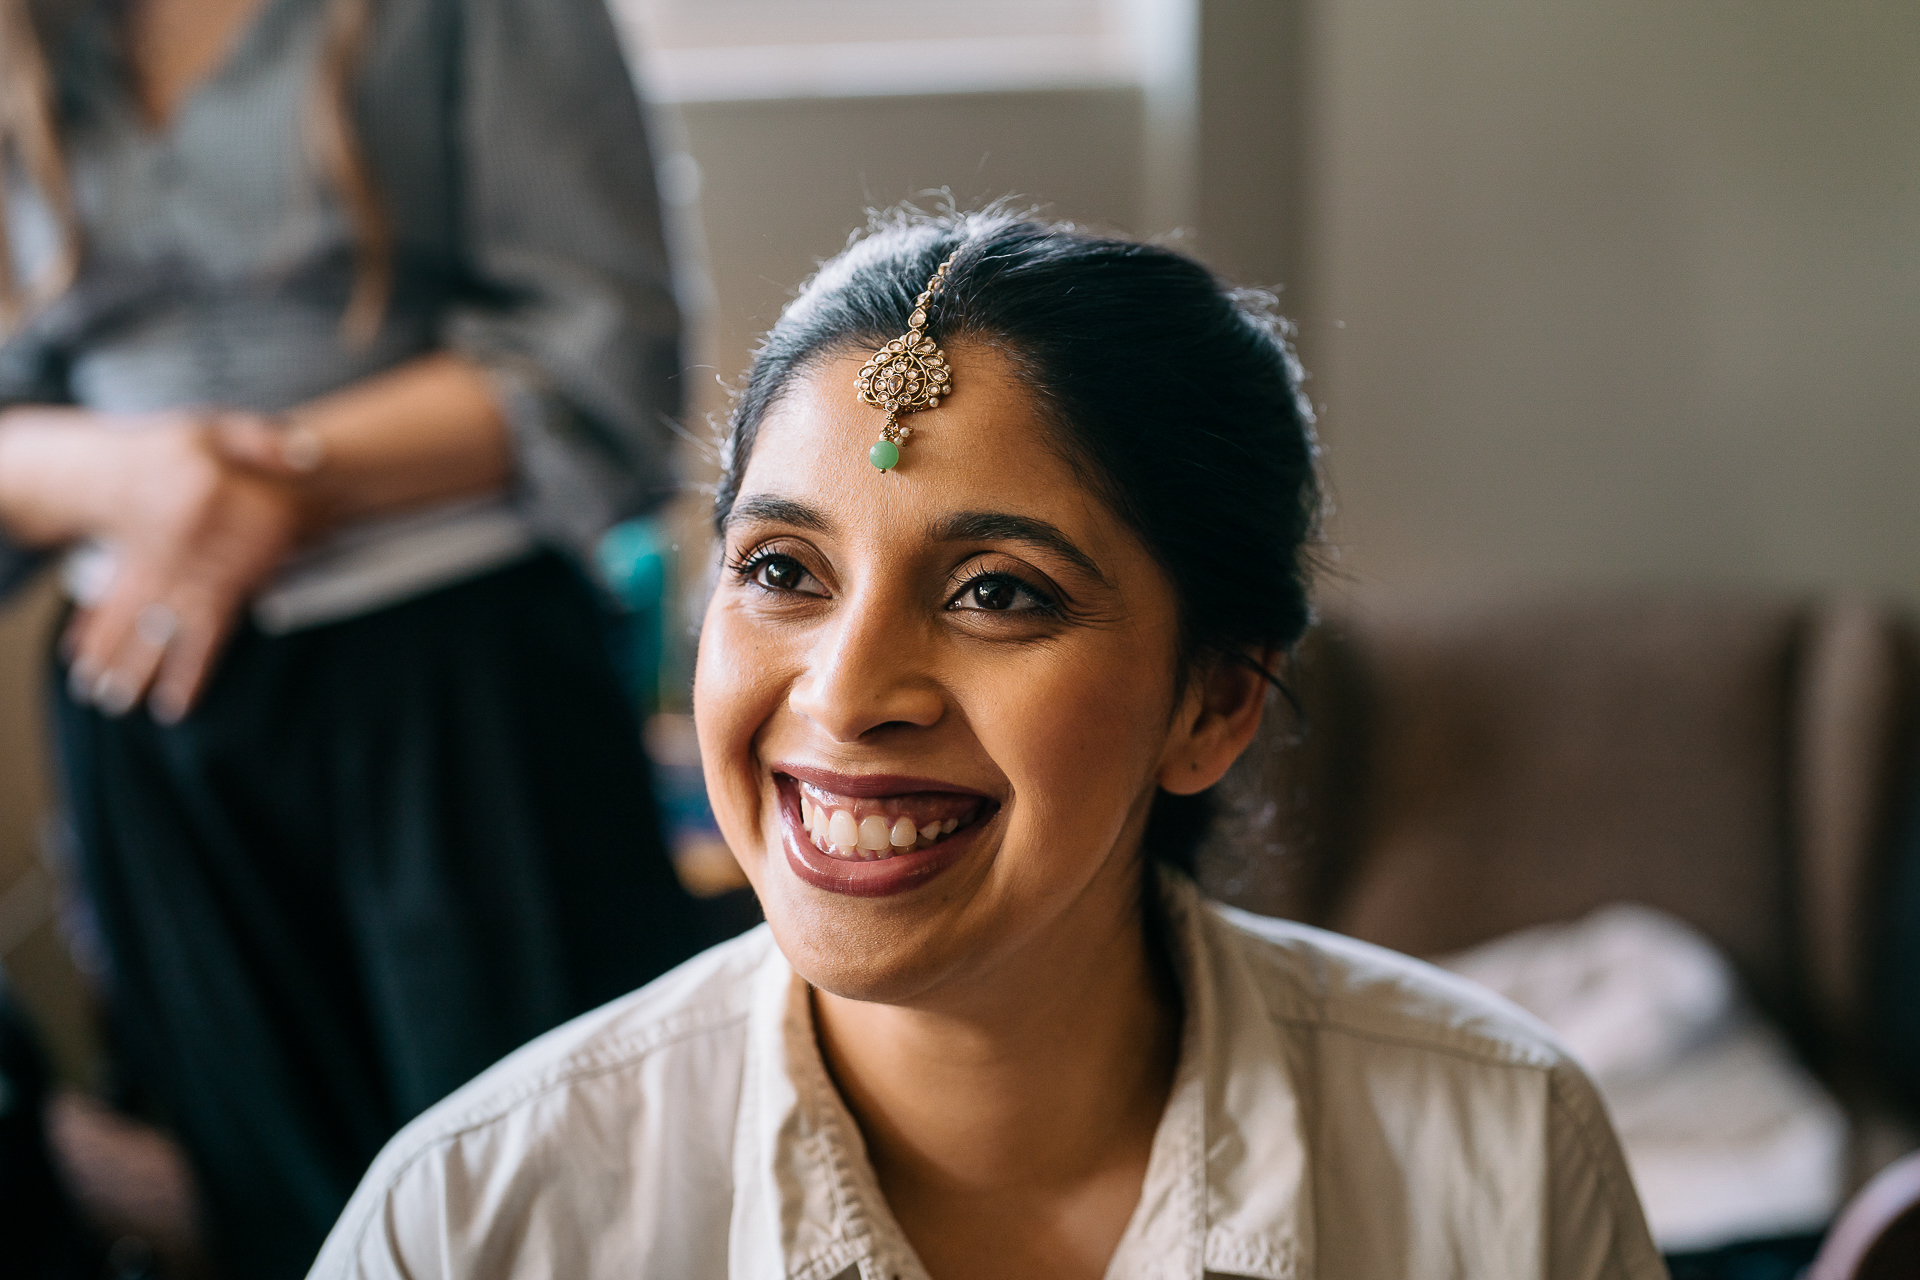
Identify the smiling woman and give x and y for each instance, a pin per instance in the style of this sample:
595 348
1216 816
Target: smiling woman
959 719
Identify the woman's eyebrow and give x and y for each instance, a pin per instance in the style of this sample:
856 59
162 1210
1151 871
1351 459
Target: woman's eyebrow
766 507
1002 526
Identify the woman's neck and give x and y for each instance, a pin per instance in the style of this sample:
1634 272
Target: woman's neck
1010 1125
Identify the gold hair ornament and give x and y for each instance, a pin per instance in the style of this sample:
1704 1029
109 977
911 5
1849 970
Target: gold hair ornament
908 373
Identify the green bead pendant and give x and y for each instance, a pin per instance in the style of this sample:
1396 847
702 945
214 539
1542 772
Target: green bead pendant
885 455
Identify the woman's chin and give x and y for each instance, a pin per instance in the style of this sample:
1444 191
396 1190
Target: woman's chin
886 947
896 963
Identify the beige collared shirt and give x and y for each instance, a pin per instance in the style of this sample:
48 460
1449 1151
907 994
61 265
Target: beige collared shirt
1339 1111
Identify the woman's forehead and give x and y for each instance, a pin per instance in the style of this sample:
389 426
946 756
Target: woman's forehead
985 449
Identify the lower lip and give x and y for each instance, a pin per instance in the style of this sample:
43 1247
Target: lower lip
880 878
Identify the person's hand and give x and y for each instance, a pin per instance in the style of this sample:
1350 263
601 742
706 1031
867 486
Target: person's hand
283 447
196 532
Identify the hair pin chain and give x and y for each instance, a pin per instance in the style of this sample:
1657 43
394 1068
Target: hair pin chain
908 374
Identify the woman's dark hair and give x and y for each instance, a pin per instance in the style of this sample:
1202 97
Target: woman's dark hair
1174 396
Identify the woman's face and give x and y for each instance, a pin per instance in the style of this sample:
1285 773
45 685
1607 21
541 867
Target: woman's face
933 704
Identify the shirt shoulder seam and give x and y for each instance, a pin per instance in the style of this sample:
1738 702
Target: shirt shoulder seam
1481 1050
1581 1121
630 1049
1297 1008
623 1054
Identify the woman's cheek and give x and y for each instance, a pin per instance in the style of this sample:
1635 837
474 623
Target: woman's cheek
1077 747
733 696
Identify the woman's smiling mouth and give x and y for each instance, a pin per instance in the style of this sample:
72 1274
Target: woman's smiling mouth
864 830
874 834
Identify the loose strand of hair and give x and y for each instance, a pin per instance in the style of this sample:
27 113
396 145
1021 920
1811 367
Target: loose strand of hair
29 136
339 152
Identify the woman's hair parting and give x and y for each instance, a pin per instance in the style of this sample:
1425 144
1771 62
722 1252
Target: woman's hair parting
1175 397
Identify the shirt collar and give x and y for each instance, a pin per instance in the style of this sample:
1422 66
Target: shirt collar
1226 1190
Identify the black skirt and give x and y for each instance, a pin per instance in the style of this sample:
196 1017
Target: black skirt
378 856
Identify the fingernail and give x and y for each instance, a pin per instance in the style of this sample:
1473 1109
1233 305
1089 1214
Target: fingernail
113 695
80 679
165 710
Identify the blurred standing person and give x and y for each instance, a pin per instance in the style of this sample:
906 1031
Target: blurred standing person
335 332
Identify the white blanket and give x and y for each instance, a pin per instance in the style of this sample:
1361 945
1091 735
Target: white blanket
1728 1136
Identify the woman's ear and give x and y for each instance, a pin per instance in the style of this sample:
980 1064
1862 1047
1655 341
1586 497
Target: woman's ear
1218 717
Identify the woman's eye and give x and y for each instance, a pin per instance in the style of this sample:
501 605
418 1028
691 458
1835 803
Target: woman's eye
997 593
778 573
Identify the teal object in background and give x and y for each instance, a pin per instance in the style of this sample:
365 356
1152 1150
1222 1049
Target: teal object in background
636 566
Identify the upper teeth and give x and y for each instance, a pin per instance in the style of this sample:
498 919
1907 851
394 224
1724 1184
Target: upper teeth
838 831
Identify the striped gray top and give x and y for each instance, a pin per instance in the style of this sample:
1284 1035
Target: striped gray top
510 155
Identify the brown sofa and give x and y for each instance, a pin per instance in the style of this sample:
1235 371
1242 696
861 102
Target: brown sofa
1467 768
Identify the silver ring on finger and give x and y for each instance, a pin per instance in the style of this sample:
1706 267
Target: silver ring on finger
156 625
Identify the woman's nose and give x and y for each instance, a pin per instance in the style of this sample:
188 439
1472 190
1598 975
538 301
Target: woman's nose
867 672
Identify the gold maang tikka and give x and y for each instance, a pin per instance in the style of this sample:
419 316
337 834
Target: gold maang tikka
908 373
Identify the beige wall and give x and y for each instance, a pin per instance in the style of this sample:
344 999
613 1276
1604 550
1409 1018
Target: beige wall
785 182
1630 290
1253 94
